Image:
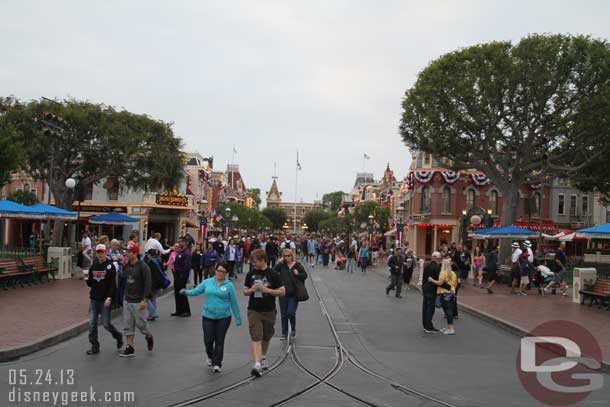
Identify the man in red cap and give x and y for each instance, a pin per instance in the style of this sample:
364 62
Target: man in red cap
137 290
102 281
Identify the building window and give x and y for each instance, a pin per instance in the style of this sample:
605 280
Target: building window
572 205
446 199
112 189
493 202
26 187
585 205
427 160
425 200
420 158
561 204
470 197
537 204
88 192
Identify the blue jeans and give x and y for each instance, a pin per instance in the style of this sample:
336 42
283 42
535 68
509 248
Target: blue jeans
448 303
288 311
350 265
151 304
96 307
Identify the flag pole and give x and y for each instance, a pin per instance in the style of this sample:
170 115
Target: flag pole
296 184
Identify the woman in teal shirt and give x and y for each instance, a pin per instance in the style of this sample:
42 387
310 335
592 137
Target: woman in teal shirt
363 255
220 301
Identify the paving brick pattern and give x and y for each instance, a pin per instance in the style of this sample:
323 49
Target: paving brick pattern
31 313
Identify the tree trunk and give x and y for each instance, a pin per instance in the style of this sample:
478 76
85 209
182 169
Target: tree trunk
510 206
63 200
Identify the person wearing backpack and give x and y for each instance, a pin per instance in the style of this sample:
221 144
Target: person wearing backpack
289 270
410 264
158 281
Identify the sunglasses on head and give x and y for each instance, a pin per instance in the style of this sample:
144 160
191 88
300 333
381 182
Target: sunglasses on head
221 270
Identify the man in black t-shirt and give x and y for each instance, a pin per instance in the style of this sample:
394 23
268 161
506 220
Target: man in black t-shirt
431 271
262 285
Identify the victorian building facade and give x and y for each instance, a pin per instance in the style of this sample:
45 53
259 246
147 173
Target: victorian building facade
441 206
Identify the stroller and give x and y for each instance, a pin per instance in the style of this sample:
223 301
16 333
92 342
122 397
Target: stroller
341 261
542 277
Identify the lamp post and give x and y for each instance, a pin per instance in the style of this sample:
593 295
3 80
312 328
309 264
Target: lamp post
400 225
371 218
71 185
464 226
227 222
203 224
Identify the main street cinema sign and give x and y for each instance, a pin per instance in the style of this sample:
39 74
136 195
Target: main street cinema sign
172 200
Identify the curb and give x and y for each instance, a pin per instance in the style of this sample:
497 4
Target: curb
12 354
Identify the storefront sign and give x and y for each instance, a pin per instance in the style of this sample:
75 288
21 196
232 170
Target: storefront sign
104 209
173 200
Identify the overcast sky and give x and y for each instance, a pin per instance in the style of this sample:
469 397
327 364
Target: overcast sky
326 77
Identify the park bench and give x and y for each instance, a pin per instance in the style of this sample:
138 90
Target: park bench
11 274
599 293
38 266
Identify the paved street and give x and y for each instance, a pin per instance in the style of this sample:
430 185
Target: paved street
382 333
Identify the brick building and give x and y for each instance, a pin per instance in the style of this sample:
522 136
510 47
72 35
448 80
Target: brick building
437 202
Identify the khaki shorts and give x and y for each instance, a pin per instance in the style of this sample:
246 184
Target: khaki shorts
261 325
525 280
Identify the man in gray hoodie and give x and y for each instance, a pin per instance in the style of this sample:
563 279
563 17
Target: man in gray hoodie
137 290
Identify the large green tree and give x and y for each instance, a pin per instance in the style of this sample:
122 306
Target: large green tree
11 150
314 217
277 217
520 113
91 142
23 197
333 200
247 218
380 214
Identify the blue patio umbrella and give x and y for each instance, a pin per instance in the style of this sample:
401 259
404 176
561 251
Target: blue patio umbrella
506 232
112 218
52 212
10 209
595 232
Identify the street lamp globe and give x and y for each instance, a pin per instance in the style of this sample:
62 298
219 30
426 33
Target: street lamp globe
400 208
70 183
235 218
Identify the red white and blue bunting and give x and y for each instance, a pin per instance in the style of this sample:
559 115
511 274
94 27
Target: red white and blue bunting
424 177
450 177
480 179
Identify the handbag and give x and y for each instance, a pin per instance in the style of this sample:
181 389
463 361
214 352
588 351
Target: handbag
300 292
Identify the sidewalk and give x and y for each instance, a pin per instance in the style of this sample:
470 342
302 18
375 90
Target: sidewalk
42 315
520 314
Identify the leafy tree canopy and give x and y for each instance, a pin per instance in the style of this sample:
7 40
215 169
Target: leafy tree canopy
23 197
314 217
380 214
520 113
277 217
248 218
333 200
91 142
11 150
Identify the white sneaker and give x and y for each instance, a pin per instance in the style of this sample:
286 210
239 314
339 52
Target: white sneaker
257 370
264 364
208 361
216 369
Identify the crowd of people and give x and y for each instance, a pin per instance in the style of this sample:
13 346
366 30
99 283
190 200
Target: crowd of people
124 276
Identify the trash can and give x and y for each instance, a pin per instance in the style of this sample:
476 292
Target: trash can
583 278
